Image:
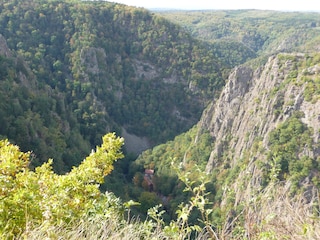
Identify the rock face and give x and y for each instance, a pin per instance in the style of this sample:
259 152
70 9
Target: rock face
253 103
4 50
117 98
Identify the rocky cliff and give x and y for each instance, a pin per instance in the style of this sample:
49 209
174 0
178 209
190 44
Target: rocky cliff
265 159
259 144
4 50
254 102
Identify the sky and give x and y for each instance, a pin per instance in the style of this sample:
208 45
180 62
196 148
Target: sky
280 5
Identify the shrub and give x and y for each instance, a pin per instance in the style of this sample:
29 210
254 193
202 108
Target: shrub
35 197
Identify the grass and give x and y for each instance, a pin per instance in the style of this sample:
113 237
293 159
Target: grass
270 214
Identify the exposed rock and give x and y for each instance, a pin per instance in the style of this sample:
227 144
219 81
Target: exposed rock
253 104
144 70
4 50
89 57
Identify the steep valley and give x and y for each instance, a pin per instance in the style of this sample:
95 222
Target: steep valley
258 140
219 110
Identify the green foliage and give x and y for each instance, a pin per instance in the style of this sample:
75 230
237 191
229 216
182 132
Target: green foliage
91 66
83 67
312 89
41 204
148 200
41 199
260 32
39 121
182 227
192 148
35 197
287 143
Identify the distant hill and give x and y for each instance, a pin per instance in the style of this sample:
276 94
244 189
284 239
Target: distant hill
264 32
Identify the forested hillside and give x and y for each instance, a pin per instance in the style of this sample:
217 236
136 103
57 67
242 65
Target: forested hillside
80 69
262 32
262 132
224 103
258 147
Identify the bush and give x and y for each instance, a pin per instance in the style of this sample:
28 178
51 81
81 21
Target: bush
41 196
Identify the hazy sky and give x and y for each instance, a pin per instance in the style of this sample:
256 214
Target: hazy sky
286 5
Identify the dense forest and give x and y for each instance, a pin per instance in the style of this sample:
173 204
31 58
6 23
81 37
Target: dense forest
262 32
225 104
89 68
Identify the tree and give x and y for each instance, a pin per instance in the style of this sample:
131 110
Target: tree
31 198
